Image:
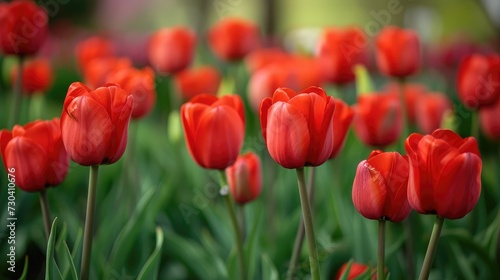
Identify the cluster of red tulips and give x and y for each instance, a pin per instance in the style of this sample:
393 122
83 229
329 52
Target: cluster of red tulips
435 173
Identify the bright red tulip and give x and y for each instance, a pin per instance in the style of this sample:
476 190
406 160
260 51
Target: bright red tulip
214 129
171 49
97 71
356 270
140 83
430 111
93 48
378 121
232 38
308 70
445 173
339 50
478 80
379 188
94 123
398 52
190 82
412 93
37 154
23 27
489 120
297 126
261 58
245 178
37 76
342 119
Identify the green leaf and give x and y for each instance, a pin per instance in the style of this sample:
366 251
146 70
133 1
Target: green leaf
269 271
51 269
251 244
25 269
346 271
152 266
67 256
364 83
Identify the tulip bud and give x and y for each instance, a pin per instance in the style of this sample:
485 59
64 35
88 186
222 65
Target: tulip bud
245 178
489 120
232 39
191 82
171 49
37 76
430 111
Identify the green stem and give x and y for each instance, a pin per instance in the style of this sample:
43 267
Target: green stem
44 204
17 95
89 223
242 220
308 223
381 250
431 249
234 222
404 114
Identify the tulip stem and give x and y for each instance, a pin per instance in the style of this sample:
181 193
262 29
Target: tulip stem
404 114
234 222
381 250
308 223
299 237
17 94
89 223
44 204
431 249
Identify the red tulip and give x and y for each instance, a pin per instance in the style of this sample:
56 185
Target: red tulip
23 27
37 154
232 39
140 83
94 123
398 52
478 80
261 58
431 109
190 82
93 48
378 121
307 69
171 49
297 126
445 173
489 120
379 188
37 76
339 50
412 93
342 118
214 129
245 178
96 71
356 270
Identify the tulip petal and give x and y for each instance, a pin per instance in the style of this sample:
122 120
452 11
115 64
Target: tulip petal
469 145
369 191
233 101
29 161
191 114
264 110
75 89
283 94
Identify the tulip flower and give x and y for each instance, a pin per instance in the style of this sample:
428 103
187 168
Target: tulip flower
97 71
23 28
478 81
245 178
214 129
355 270
37 76
489 120
412 93
232 38
342 118
37 153
445 173
261 58
190 82
430 111
339 50
398 52
378 121
171 49
93 48
297 126
140 84
94 123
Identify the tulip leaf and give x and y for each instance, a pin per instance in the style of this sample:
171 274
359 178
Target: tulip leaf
269 271
25 269
71 265
214 250
364 82
51 268
152 266
345 274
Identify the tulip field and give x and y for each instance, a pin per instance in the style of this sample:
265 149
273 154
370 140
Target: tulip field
358 145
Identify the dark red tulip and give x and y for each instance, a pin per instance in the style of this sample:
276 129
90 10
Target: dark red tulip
355 270
339 50
245 178
37 154
139 83
445 173
379 188
23 27
490 123
37 76
412 93
342 118
190 82
261 58
297 126
214 129
398 52
478 81
94 123
232 38
171 49
378 121
93 48
430 111
97 71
